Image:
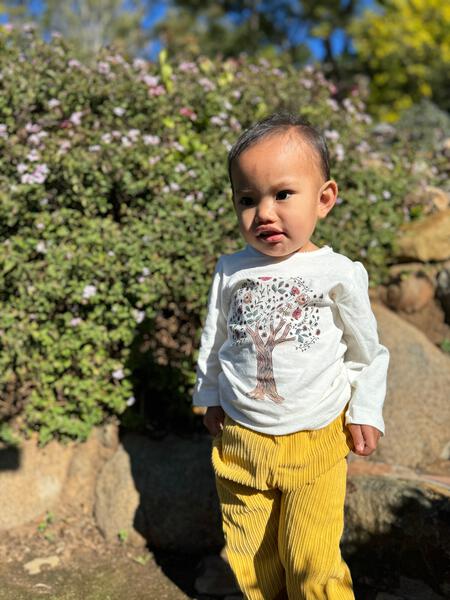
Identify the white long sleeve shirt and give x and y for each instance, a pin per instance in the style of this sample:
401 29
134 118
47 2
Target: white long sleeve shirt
288 342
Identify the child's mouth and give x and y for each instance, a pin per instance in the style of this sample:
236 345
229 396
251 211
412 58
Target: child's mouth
271 236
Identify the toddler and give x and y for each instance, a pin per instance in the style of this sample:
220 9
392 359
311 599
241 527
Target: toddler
290 369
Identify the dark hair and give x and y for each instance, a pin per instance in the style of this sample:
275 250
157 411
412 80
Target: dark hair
277 123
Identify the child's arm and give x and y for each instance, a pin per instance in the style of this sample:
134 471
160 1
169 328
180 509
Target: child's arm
367 363
214 334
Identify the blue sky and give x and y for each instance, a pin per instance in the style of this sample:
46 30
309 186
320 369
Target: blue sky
159 9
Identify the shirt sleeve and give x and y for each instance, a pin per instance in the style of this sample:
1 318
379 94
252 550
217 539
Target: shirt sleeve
366 359
214 334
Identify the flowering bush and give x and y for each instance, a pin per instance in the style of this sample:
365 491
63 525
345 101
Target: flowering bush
115 206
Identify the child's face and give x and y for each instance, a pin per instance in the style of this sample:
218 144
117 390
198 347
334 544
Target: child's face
279 193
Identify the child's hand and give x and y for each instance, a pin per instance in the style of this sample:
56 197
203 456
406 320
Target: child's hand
213 419
365 438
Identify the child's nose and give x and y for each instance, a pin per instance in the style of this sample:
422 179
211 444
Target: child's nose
265 210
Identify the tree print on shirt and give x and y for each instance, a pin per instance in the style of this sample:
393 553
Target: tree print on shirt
271 311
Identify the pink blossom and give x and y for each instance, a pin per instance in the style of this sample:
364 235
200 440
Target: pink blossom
3 131
33 156
333 89
206 84
39 175
75 117
73 63
157 91
347 103
139 63
340 152
41 247
331 134
118 374
151 140
64 145
297 313
234 124
36 138
133 134
306 83
188 112
150 80
188 66
117 59
32 127
333 104
215 120
53 103
265 278
89 291
295 291
139 316
103 68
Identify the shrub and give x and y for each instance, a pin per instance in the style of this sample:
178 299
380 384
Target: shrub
115 206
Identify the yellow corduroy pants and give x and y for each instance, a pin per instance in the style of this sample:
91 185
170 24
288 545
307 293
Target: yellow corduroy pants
282 502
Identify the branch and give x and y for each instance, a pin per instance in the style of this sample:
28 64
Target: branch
283 338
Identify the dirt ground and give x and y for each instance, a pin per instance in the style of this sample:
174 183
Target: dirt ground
64 557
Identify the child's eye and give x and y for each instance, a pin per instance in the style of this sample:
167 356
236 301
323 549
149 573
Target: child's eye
245 201
283 195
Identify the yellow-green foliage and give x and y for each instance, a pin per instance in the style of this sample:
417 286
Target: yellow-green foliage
406 49
114 206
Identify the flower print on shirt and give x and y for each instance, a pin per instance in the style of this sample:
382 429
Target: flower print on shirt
271 311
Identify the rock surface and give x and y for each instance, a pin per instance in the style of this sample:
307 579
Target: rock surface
410 294
166 491
34 479
400 519
426 239
87 461
416 410
117 500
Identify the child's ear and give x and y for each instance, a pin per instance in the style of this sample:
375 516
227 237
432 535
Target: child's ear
327 198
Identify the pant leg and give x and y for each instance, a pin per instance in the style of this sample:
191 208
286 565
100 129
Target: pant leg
310 529
250 519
